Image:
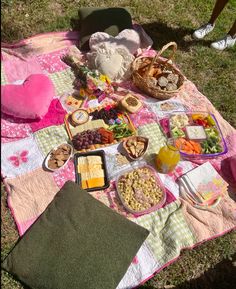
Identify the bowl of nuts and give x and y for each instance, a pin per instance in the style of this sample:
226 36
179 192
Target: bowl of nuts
58 157
135 147
141 190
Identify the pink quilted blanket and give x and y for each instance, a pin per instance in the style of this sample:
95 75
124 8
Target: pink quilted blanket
174 227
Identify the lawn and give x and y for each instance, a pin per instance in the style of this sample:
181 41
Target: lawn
213 72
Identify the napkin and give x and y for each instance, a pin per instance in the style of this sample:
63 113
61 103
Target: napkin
203 184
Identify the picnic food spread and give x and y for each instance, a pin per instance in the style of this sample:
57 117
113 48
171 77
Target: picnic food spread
133 153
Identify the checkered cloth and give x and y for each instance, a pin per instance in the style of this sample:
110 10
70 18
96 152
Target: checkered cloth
62 80
156 139
50 137
169 232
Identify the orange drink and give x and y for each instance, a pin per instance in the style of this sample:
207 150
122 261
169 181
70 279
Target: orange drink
167 158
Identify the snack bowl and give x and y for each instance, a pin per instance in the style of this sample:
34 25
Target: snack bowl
58 157
137 192
135 147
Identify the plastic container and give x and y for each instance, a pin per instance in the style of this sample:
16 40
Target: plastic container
214 125
104 167
158 182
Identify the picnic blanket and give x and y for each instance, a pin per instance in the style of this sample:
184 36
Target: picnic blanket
174 227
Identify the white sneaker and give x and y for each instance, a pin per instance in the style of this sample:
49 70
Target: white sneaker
202 31
226 42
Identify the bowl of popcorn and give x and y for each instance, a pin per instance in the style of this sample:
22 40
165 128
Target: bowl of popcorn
58 157
141 190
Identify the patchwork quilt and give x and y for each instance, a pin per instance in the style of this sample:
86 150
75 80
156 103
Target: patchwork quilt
174 227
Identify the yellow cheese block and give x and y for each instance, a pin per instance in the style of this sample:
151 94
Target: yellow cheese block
84 184
91 172
94 167
94 160
90 125
96 174
96 182
83 168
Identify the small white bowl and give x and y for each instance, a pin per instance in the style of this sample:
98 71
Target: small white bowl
49 154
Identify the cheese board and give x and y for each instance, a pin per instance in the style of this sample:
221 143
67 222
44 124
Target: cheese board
106 125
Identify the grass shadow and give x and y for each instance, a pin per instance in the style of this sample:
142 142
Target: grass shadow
75 23
221 276
161 34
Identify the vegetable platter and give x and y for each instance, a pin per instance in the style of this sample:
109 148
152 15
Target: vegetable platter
196 134
106 125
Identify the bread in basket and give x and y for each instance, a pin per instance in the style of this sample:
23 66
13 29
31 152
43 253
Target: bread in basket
157 76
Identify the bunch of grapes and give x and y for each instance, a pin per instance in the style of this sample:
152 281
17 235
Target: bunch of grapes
86 138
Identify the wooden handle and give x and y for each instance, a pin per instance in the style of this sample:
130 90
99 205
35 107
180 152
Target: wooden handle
67 126
165 47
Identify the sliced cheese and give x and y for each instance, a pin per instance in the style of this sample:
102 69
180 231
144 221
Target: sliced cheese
84 184
96 182
83 168
90 125
82 160
85 176
94 160
95 167
97 174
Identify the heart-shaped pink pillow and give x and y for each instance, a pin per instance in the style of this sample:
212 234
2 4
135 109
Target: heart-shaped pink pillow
29 100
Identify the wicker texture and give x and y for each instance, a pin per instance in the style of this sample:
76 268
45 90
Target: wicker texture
142 81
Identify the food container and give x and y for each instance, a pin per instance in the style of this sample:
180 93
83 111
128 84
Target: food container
123 117
159 183
46 162
104 168
212 146
128 148
131 103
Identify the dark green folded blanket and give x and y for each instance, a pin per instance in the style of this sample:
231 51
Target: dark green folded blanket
77 243
111 20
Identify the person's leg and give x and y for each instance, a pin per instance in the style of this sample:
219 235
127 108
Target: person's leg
219 6
205 29
228 41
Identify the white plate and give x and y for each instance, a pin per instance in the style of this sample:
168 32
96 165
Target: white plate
48 157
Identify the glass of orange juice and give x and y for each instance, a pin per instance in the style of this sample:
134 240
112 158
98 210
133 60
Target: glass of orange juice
168 157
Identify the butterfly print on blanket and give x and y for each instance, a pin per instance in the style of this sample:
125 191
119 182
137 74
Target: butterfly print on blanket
19 158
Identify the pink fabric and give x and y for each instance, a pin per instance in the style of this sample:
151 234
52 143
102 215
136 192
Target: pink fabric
30 99
142 117
51 62
228 169
21 69
29 195
12 131
54 116
212 221
67 173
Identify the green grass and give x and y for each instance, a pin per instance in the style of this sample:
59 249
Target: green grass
213 72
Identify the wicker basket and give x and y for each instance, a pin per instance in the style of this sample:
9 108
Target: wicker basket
142 82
